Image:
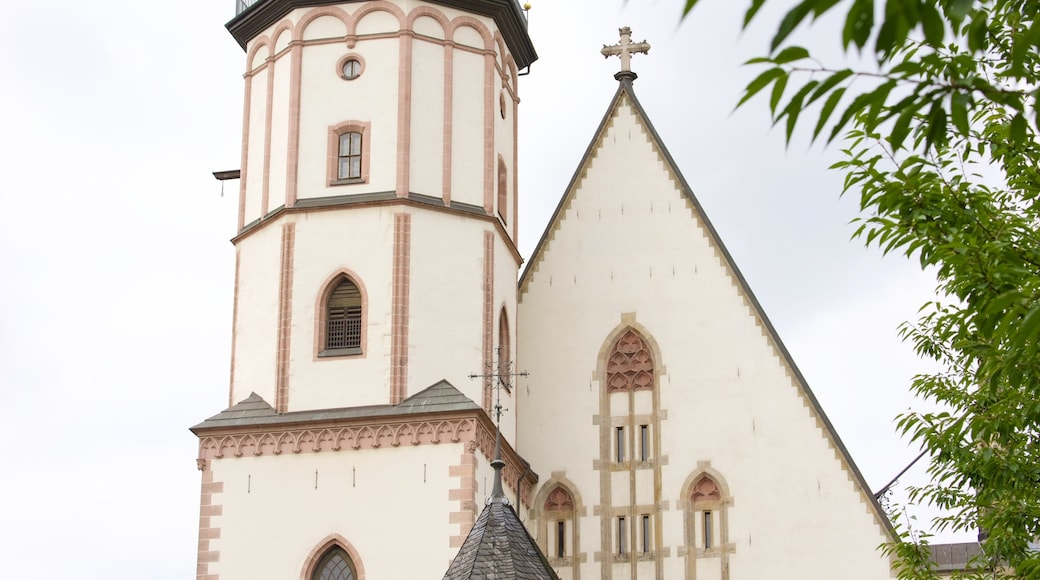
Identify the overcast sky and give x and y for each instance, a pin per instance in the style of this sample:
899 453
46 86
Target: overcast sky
116 271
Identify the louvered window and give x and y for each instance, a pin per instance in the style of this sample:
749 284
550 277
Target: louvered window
343 318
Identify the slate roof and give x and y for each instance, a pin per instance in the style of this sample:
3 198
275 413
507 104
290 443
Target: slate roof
952 557
499 548
254 410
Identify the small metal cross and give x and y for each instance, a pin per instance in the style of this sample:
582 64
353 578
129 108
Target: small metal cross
625 49
501 373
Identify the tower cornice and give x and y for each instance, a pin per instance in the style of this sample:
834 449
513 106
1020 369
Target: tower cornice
507 14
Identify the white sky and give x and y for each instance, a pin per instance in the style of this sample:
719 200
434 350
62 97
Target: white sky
116 271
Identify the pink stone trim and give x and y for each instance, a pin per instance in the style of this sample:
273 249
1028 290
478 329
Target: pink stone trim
350 56
488 287
207 531
234 327
449 88
332 157
465 494
489 132
292 155
321 315
285 298
323 546
311 15
400 307
404 113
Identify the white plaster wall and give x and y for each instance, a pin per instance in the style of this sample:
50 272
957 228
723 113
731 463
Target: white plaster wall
467 128
273 515
505 295
256 323
426 161
279 131
361 241
629 243
327 100
446 302
255 145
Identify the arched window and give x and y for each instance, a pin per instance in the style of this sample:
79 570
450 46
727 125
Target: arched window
343 319
503 191
559 526
705 503
504 349
349 151
334 565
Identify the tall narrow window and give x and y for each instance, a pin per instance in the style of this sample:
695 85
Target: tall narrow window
334 565
503 189
620 443
559 513
708 530
646 533
504 350
644 442
621 535
349 156
561 539
343 318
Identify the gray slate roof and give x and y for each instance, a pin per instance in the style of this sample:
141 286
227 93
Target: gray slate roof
951 557
499 548
254 410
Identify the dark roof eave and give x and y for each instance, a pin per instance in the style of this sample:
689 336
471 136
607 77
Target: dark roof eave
508 16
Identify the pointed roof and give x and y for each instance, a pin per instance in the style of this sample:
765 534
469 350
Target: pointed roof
499 547
626 95
254 410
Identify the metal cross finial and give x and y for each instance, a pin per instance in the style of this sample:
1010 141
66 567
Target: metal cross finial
625 49
502 374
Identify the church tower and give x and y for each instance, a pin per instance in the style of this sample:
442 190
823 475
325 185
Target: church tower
376 269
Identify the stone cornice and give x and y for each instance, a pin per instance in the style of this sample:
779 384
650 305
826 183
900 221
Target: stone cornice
507 14
472 428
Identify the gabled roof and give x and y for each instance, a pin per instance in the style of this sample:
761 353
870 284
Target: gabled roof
254 411
626 95
499 547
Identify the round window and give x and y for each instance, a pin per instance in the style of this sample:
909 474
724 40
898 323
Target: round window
351 69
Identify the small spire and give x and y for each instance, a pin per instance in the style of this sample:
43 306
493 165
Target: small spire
624 50
497 464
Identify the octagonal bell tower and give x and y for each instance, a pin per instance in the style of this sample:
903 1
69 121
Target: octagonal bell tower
376 269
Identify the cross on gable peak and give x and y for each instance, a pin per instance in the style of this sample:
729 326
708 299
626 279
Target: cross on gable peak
624 50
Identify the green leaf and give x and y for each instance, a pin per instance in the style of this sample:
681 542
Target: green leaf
778 92
932 23
751 11
1018 128
825 112
978 33
791 21
760 82
854 107
959 103
877 102
688 7
958 10
901 128
936 125
794 108
858 23
822 6
790 54
829 84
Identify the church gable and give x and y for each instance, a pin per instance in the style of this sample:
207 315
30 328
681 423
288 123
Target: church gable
650 356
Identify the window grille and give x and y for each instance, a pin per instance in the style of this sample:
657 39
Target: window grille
335 565
349 156
343 317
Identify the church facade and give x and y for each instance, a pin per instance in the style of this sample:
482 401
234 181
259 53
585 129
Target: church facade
664 431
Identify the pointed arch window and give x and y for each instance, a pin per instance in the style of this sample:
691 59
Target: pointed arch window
560 526
503 190
706 507
334 565
504 350
342 319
